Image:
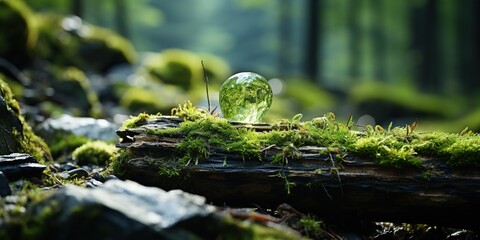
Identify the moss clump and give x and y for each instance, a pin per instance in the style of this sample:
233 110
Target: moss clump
65 145
388 148
464 151
135 121
94 152
119 162
175 66
312 228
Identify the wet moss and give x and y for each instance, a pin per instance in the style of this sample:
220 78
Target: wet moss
65 145
16 133
94 152
393 147
135 121
119 163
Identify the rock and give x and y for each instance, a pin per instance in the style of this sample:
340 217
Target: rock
20 165
111 177
99 177
4 187
66 166
69 41
16 42
92 183
98 129
127 210
15 133
74 173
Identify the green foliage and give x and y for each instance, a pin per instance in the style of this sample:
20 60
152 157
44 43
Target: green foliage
94 152
312 228
65 145
190 112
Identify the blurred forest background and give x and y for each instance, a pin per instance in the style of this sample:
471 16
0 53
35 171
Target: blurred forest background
379 61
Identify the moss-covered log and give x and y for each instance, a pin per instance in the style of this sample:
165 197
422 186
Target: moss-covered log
336 181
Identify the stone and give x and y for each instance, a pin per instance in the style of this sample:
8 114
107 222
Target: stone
17 166
16 136
92 128
4 187
127 210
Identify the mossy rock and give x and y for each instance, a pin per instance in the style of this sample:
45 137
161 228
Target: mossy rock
94 152
72 92
175 66
159 99
16 134
68 41
18 35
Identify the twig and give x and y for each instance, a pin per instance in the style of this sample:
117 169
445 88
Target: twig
206 84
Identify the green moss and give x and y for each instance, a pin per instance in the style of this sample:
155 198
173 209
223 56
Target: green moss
203 133
465 151
65 145
312 227
88 47
175 66
94 152
190 112
119 162
15 131
135 121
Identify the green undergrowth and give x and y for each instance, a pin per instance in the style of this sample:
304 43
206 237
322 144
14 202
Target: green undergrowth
204 133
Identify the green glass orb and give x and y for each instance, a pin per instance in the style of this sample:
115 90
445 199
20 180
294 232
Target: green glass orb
245 97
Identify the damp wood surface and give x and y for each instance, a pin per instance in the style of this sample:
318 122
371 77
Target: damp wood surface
347 189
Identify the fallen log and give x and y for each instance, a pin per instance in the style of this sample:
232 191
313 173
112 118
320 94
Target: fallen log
316 180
